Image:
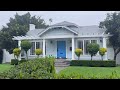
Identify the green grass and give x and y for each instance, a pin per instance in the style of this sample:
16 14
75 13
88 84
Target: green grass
4 67
93 72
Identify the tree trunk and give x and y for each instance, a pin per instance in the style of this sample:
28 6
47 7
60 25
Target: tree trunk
116 51
115 56
91 57
26 55
102 57
38 56
78 58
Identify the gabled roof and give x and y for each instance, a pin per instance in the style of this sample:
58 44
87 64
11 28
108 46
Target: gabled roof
34 32
85 31
65 23
75 32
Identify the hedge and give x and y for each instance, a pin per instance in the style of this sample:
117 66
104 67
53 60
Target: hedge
94 63
38 68
14 62
22 60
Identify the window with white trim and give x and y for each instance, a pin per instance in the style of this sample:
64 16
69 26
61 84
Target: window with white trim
86 42
80 44
93 41
32 50
37 46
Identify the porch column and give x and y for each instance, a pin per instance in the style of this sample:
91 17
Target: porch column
105 46
73 49
19 46
43 47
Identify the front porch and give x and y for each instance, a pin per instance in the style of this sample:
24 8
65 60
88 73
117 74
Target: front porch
62 48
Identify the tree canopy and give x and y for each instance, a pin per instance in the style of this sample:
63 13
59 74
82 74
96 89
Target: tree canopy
112 26
18 26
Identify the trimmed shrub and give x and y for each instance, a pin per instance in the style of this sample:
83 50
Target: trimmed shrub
38 68
16 52
78 52
26 45
93 63
93 48
14 61
102 52
38 52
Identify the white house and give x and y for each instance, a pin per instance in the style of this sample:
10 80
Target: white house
61 39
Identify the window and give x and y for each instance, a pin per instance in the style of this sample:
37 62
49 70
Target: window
93 41
80 44
86 42
37 46
32 50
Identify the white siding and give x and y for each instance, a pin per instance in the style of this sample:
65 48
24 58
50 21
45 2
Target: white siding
110 53
51 48
7 56
118 59
57 32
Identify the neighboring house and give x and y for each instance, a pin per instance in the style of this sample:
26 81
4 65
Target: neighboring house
60 40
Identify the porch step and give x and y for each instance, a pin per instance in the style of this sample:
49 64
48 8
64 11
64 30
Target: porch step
62 63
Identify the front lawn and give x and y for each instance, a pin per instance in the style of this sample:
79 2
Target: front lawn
4 67
83 72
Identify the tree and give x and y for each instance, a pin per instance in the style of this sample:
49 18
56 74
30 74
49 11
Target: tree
102 52
16 52
112 26
50 20
26 45
78 52
92 48
18 26
38 52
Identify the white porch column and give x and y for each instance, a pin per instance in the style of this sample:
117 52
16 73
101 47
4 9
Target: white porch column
43 47
105 46
73 49
19 46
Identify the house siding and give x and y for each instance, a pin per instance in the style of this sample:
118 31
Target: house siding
57 32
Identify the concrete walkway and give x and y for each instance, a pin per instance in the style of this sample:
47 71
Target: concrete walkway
58 69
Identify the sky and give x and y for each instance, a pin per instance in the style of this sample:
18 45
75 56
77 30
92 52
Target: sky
81 18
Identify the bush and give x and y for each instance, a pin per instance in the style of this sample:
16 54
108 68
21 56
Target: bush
22 60
39 68
93 48
26 45
102 52
78 52
14 61
16 52
93 63
38 52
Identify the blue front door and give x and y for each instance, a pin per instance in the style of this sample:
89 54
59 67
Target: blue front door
61 49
